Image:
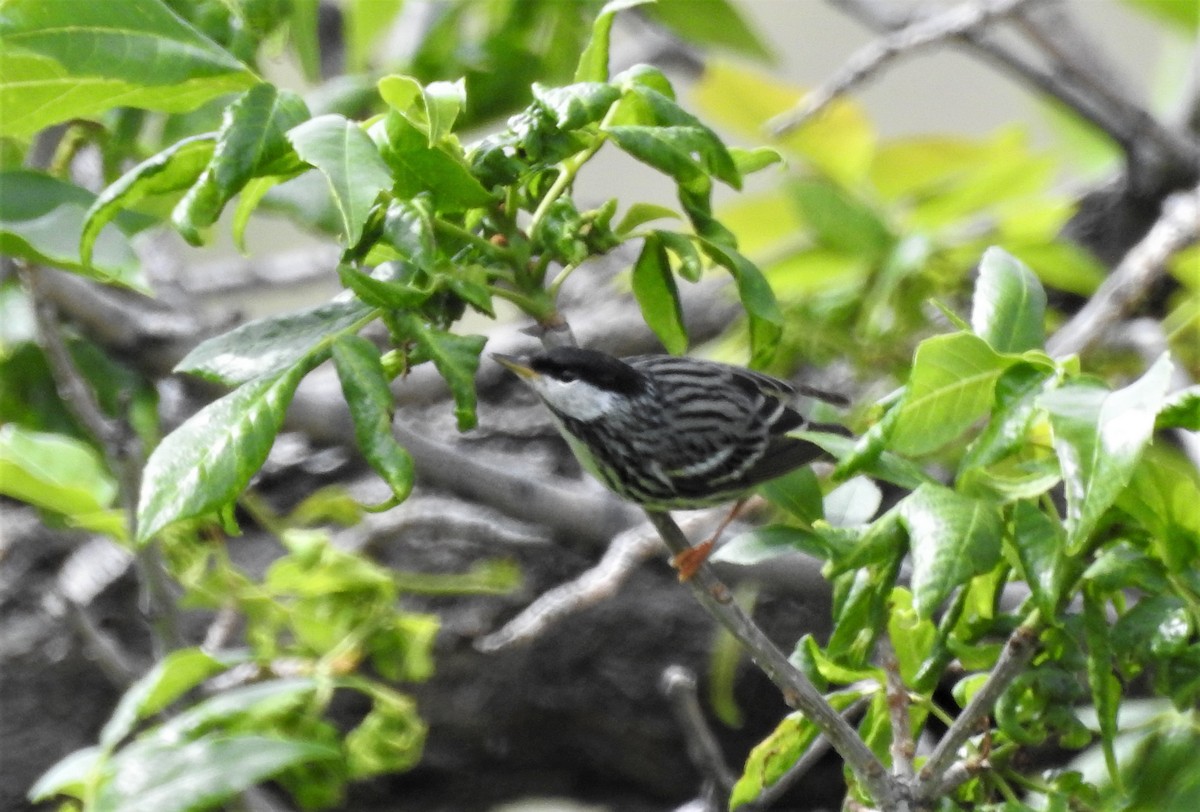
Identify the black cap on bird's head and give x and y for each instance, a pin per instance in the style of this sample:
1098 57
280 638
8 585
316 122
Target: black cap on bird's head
570 364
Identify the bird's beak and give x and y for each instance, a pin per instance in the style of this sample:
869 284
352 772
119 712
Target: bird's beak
514 364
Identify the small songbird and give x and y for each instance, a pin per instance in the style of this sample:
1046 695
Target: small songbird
667 432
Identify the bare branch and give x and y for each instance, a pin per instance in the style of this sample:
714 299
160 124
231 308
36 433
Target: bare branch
872 58
1177 227
903 748
679 685
624 555
1017 653
798 691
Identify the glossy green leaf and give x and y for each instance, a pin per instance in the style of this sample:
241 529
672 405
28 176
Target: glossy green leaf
657 296
749 161
853 503
62 61
431 109
797 492
593 62
56 472
1009 305
577 105
951 385
767 542
408 227
689 266
457 359
710 23
952 537
205 772
371 406
1040 542
641 213
1018 392
72 775
42 220
351 164
1099 437
913 637
1106 689
1181 410
176 167
1163 496
780 750
251 142
766 320
268 346
204 464
171 677
659 132
419 168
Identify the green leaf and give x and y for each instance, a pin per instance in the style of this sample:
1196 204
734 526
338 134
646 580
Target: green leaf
419 168
577 105
1106 689
1099 437
171 677
438 107
766 320
58 473
683 247
708 23
656 294
251 142
408 227
1018 392
371 405
771 541
1184 15
1039 539
71 775
951 386
176 167
781 749
388 286
840 221
798 492
268 346
749 161
953 538
912 636
42 220
640 214
62 61
366 22
1181 410
457 359
204 464
1009 306
200 773
593 62
351 164
388 739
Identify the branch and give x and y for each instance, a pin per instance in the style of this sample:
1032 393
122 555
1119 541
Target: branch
679 685
798 691
1177 226
903 748
1017 653
872 58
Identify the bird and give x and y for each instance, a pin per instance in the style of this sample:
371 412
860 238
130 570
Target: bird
671 432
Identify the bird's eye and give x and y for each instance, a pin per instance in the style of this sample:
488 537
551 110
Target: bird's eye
567 375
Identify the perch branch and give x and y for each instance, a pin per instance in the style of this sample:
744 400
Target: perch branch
798 691
903 748
1177 226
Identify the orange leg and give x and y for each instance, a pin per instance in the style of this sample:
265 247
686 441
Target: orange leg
689 561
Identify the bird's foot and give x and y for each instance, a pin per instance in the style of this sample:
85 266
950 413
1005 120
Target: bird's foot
688 562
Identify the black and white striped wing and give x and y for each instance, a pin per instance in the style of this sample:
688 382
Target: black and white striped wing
727 426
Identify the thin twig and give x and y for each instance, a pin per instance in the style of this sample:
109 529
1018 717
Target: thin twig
679 686
798 691
122 450
903 748
872 58
1017 653
1177 226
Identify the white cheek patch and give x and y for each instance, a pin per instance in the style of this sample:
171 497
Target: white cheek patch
576 399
